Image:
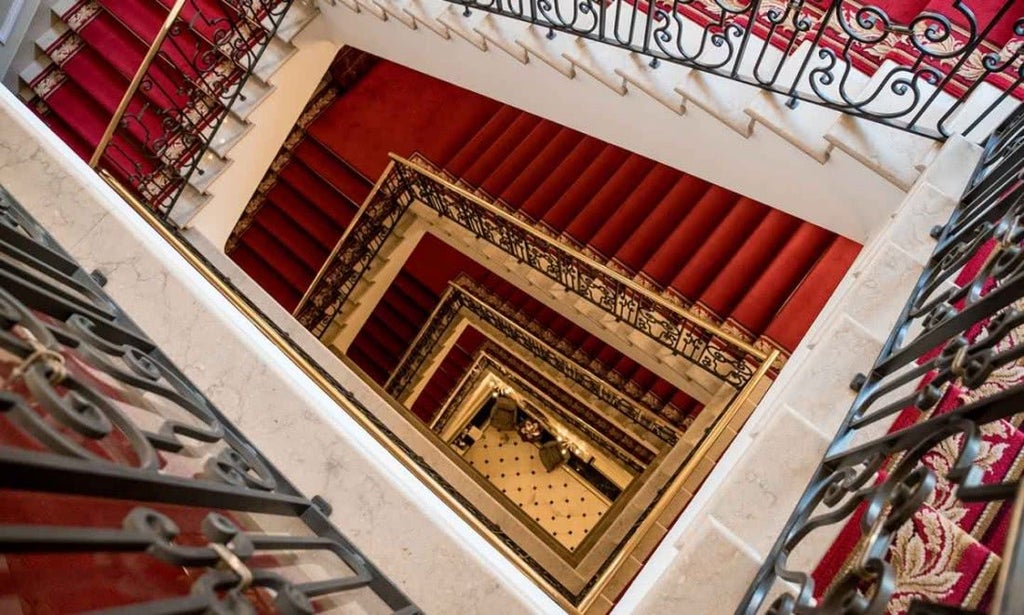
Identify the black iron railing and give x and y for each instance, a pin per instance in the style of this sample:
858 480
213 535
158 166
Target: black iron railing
122 483
921 72
706 345
949 383
191 76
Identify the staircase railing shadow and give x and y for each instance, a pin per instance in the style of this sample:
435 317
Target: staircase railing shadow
192 74
952 70
931 434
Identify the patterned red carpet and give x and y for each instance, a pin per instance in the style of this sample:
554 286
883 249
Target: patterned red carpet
949 553
857 34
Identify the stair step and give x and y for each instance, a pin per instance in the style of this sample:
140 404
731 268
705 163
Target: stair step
414 9
463 26
495 31
498 150
686 238
781 277
731 235
659 83
276 53
587 184
599 61
519 157
721 98
666 215
744 267
300 14
805 124
540 167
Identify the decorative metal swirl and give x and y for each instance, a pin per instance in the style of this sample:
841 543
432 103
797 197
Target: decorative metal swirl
90 407
933 61
949 381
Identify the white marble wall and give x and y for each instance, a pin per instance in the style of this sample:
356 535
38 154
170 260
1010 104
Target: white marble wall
411 535
711 555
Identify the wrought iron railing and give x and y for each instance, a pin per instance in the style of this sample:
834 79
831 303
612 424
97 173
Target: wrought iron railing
107 450
192 74
457 301
706 345
949 382
920 72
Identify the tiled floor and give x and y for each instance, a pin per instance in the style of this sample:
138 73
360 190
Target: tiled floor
558 501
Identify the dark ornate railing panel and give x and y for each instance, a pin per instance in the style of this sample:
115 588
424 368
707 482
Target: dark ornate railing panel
193 75
107 449
820 51
457 301
720 354
351 257
950 374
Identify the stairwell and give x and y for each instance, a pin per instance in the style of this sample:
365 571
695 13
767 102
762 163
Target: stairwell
727 258
494 149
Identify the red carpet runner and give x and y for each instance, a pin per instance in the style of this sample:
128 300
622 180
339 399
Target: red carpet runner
732 259
870 46
94 58
949 553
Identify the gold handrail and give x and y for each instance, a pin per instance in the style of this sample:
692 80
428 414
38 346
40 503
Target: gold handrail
133 87
715 330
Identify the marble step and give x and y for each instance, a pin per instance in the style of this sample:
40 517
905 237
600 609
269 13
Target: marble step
299 15
802 123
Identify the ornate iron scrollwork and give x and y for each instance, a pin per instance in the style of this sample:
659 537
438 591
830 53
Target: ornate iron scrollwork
950 381
91 412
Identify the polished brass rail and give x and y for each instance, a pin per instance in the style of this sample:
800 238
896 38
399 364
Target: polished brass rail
133 87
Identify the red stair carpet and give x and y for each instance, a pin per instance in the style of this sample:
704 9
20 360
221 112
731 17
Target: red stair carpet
95 59
950 551
763 272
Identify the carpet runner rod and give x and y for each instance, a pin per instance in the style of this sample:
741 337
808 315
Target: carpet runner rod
924 59
175 71
926 512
